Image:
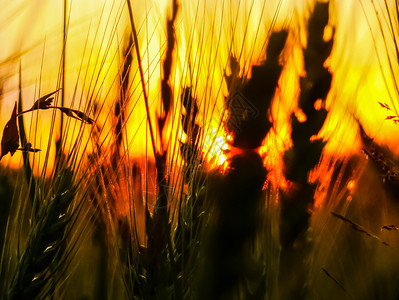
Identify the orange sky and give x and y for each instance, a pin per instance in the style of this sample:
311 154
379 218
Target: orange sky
206 32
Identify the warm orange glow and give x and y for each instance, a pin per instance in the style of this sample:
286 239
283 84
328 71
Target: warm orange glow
318 104
351 185
206 34
300 116
215 148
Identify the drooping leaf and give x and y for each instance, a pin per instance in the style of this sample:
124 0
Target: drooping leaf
10 139
66 111
83 117
73 113
44 102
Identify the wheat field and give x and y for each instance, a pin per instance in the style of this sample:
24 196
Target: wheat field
166 149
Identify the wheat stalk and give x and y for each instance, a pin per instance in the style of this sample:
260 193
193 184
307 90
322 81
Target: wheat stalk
46 252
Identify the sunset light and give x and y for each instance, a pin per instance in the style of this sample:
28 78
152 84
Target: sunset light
166 149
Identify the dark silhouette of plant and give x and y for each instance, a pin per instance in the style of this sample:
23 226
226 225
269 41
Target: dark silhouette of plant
10 139
383 161
155 275
45 251
122 102
304 154
235 216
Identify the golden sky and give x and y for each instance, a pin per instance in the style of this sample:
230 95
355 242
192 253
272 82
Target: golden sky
206 31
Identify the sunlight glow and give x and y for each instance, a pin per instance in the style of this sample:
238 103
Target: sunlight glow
207 33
